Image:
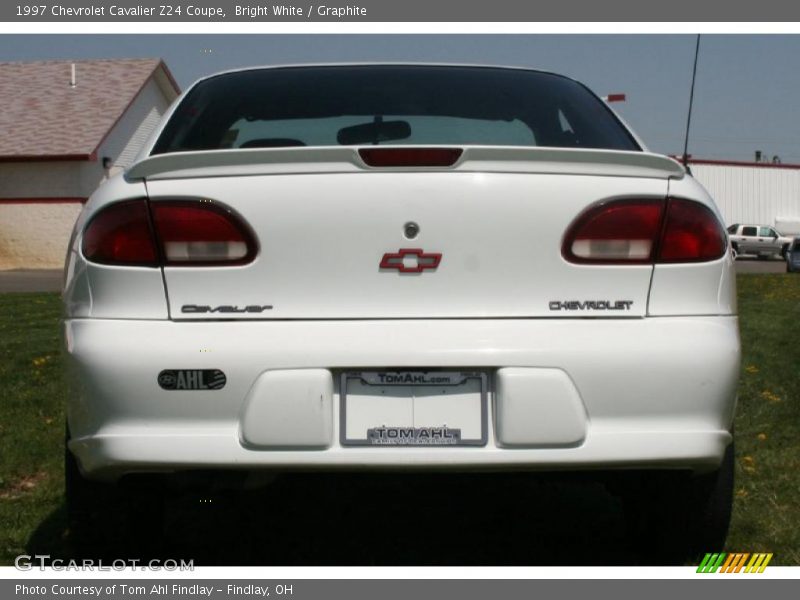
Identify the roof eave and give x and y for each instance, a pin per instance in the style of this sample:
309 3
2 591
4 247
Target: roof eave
47 157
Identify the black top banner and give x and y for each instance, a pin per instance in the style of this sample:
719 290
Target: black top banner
402 11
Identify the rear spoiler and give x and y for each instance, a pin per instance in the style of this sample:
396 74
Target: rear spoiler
338 159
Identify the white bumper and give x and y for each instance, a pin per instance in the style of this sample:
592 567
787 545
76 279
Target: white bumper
637 393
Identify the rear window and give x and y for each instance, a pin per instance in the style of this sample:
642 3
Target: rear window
390 104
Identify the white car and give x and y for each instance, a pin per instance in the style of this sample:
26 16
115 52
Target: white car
404 267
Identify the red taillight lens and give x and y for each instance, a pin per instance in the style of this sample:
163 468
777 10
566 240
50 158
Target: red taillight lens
644 232
410 157
620 231
692 233
120 234
189 233
201 233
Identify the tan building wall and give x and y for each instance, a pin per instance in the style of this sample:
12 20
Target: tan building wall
35 236
62 179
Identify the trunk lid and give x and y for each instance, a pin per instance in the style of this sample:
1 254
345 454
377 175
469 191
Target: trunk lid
325 223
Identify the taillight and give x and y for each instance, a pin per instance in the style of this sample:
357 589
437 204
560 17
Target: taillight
618 231
644 232
410 157
183 232
201 233
692 233
120 234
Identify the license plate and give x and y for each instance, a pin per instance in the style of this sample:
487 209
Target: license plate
413 408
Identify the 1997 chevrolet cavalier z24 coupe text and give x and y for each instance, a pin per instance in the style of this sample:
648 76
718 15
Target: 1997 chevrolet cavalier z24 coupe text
405 267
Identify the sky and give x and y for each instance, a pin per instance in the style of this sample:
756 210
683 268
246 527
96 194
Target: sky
747 95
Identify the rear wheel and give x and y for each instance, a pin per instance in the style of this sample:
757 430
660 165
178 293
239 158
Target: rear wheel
676 517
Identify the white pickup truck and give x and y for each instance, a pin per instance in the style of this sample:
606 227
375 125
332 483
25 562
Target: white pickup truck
761 240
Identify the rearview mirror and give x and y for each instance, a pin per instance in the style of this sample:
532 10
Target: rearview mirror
374 133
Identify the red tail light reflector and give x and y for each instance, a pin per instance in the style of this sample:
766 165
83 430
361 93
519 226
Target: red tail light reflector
692 233
410 157
183 232
201 233
644 232
120 234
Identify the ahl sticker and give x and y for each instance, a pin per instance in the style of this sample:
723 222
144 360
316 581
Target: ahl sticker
192 379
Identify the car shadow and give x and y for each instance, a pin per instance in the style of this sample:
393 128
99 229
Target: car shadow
387 519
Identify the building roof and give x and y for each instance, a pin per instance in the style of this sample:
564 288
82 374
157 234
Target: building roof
44 117
742 163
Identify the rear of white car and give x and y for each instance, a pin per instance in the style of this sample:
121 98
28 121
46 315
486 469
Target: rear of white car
403 267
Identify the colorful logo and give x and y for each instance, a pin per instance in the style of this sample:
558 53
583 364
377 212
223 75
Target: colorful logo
734 562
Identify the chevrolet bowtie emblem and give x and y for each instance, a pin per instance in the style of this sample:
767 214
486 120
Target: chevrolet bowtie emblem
411 260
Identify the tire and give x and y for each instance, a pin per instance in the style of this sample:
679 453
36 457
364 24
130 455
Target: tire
102 516
677 517
735 250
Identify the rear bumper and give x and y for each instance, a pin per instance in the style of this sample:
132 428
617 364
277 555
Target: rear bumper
653 393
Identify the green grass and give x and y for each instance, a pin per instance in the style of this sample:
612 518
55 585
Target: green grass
31 417
766 510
